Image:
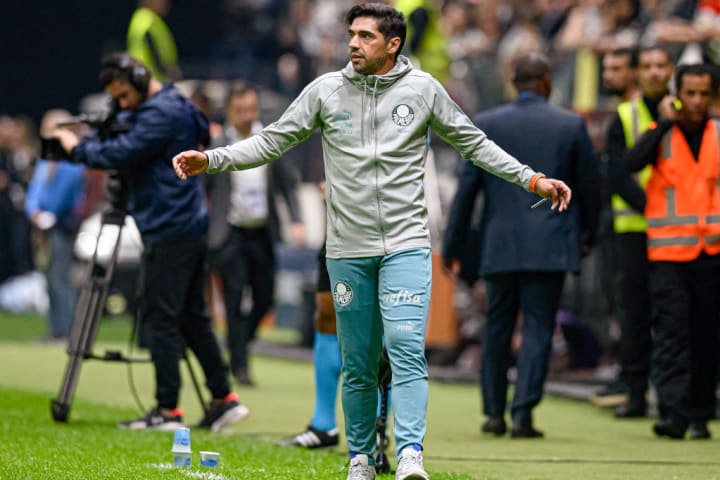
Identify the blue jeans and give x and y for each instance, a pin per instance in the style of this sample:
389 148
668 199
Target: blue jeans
375 296
60 289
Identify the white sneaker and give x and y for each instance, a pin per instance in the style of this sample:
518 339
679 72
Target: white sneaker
360 469
410 466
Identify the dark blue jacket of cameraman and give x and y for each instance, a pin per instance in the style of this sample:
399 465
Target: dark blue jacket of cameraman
165 208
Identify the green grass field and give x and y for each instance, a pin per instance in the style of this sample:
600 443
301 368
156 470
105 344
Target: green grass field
582 442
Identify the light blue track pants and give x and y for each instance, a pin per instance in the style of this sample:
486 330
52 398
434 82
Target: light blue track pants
378 296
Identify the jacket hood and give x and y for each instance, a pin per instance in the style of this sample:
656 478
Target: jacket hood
379 82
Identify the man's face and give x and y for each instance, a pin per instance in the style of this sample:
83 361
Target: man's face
696 96
370 52
124 94
242 111
618 75
654 72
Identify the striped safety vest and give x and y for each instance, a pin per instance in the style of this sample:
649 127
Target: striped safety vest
683 198
635 118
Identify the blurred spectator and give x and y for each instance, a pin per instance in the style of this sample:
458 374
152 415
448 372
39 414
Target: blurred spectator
16 154
53 205
150 41
522 37
474 81
671 25
525 256
244 228
619 75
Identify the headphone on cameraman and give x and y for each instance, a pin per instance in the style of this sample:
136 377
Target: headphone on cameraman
134 71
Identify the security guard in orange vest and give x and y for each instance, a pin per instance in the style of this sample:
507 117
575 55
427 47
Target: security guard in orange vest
631 269
683 246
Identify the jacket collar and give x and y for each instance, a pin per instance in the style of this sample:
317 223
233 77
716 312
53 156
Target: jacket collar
378 82
526 96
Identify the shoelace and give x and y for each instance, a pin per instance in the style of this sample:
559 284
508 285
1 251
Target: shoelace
358 466
408 461
361 472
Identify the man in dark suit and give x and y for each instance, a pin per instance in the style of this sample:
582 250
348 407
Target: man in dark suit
525 252
244 227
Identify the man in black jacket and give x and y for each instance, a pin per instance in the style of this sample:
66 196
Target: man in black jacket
631 276
244 228
525 253
173 220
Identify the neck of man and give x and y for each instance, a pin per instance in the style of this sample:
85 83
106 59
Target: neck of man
632 93
153 87
693 127
243 130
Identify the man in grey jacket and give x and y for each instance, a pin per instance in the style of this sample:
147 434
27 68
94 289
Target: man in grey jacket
374 117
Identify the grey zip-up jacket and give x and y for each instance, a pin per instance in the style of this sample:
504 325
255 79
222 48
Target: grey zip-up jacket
375 137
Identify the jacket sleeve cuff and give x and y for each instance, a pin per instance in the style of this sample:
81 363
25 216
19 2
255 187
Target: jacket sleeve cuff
533 181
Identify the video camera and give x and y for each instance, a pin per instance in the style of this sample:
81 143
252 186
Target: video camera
104 125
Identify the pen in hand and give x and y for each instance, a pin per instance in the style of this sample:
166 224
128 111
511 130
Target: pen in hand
543 200
540 202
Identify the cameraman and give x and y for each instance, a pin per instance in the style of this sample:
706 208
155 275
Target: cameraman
172 218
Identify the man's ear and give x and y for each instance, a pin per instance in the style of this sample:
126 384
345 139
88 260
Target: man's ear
393 45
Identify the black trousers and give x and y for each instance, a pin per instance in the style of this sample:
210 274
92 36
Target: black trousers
247 260
633 310
174 316
538 295
686 323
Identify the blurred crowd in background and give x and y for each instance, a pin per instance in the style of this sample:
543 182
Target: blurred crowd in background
280 45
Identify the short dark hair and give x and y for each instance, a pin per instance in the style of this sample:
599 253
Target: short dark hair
391 23
629 52
652 48
697 69
530 67
239 90
122 67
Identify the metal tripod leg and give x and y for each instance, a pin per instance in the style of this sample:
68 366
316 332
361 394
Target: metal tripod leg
85 322
382 463
195 382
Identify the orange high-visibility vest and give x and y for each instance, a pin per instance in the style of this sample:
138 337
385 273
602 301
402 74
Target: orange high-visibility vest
683 201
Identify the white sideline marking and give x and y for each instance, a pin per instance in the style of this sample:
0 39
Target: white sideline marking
188 473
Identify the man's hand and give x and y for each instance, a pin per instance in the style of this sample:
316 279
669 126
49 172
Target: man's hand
669 107
555 189
189 163
451 268
67 138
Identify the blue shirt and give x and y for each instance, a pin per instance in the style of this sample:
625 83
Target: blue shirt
58 188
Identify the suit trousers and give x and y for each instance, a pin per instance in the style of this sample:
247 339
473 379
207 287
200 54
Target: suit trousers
537 294
686 323
633 307
174 316
245 262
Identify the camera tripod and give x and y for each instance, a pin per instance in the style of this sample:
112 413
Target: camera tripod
89 309
382 463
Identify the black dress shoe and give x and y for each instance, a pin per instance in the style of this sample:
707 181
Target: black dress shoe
631 410
698 431
525 430
494 425
670 427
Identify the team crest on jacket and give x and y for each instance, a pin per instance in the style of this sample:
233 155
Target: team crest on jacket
343 293
403 115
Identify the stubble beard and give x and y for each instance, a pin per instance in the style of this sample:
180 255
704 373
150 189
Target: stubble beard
368 67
